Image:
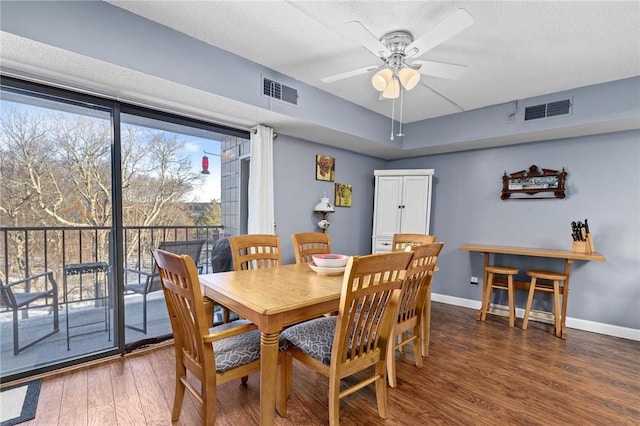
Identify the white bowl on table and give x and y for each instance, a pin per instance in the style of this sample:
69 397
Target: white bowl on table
327 271
330 260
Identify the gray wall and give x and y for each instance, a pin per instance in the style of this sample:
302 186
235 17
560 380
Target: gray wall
603 185
297 192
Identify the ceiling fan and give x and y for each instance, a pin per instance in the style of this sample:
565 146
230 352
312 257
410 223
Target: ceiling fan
397 49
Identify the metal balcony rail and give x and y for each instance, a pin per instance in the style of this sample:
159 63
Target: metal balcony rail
28 251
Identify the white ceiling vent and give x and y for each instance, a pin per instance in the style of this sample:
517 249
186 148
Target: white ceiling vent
552 109
279 91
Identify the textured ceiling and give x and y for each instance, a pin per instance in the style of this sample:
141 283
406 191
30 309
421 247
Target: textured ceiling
514 50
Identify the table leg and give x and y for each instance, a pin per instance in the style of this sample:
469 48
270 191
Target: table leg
425 323
565 298
485 276
268 376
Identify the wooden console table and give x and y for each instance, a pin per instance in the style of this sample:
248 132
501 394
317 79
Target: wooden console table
568 256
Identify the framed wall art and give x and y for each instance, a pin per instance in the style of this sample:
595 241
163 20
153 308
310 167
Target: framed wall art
343 195
325 168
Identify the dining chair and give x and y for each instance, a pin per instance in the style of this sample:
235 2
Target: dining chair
401 241
412 307
213 356
149 281
306 244
255 251
355 339
23 299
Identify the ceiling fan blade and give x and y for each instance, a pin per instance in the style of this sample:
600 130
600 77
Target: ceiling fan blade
357 32
441 69
348 74
443 97
452 25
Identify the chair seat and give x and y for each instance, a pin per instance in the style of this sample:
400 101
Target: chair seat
314 337
136 288
236 350
23 299
504 270
546 275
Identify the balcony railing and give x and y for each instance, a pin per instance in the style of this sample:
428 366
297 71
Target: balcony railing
27 251
83 298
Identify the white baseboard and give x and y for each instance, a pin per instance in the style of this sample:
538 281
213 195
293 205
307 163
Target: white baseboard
578 324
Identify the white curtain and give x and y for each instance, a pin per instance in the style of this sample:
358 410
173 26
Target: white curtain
261 211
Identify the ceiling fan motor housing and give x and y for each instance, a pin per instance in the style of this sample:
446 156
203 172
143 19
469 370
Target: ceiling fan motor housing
397 41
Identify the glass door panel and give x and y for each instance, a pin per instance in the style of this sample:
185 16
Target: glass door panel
55 235
167 202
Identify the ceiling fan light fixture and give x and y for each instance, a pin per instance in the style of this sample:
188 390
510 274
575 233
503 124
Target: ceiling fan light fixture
381 79
393 90
409 77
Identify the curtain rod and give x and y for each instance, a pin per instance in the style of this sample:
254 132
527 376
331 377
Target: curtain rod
119 99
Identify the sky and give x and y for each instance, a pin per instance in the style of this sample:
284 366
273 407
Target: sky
209 189
206 190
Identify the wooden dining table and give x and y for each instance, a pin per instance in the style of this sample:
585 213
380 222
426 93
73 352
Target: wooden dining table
567 255
273 298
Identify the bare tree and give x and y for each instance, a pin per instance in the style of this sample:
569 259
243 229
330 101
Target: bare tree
56 170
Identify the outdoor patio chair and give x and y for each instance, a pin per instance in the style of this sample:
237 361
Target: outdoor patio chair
149 281
22 300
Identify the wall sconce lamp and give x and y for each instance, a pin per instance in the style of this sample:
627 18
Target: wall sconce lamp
205 162
324 207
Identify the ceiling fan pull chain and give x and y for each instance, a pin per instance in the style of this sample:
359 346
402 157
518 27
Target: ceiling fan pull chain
393 110
401 103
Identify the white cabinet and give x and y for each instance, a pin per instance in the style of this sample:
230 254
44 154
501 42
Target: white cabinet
402 205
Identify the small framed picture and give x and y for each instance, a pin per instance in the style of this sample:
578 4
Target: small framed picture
343 195
325 168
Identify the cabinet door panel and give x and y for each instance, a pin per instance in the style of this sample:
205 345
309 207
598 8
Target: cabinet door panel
388 199
415 191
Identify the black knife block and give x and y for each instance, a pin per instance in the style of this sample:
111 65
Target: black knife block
586 246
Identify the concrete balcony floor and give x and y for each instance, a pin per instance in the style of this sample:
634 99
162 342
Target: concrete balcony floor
85 340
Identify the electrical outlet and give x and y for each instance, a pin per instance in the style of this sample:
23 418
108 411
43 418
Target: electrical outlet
474 281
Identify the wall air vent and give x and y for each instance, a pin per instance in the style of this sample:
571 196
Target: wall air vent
552 109
279 91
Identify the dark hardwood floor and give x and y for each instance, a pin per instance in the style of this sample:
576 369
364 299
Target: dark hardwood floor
476 374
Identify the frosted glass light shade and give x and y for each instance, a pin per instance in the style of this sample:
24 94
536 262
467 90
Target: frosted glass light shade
381 79
393 90
409 77
324 206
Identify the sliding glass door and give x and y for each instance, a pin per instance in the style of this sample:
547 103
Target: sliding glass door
171 172
56 252
88 187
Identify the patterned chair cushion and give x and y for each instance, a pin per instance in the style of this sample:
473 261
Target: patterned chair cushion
314 337
237 350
